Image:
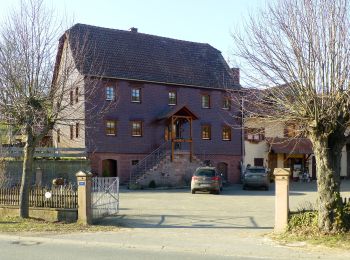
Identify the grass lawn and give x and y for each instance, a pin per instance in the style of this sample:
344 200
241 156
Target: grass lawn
341 241
32 225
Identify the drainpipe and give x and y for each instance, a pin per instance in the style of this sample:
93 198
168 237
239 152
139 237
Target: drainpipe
242 127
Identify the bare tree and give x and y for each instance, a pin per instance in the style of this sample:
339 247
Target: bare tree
303 47
35 82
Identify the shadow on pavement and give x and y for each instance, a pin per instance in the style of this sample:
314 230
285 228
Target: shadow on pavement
180 221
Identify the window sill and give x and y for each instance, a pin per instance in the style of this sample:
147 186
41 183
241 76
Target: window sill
136 136
136 102
207 139
226 140
172 104
206 107
110 134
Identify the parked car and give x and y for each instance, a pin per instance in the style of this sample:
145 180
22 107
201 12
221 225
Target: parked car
206 179
256 177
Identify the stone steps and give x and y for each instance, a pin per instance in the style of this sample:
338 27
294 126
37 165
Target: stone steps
171 174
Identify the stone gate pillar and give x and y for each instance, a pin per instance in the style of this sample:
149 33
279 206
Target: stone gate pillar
281 198
84 197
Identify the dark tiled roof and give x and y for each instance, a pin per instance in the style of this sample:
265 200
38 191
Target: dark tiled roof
290 146
144 57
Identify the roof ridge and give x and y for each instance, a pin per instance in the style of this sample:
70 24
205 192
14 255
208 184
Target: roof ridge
146 34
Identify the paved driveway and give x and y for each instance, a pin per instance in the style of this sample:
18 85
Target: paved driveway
175 224
234 209
230 224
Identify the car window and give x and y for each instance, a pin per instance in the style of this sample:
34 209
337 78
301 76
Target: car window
256 171
205 173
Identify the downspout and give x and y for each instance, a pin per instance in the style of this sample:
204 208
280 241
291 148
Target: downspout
242 132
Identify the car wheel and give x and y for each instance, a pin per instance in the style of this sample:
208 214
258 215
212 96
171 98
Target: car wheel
193 191
244 187
266 187
221 188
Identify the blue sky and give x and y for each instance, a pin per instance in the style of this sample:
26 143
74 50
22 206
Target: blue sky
206 21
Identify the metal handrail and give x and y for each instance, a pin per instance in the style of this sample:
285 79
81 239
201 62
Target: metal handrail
148 162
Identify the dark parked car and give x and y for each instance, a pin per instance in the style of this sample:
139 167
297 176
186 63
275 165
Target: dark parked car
256 177
206 179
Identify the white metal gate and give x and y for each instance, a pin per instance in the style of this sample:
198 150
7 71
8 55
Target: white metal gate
104 196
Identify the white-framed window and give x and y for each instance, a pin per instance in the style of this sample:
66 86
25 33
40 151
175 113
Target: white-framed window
111 127
110 93
205 101
136 95
172 98
226 133
136 128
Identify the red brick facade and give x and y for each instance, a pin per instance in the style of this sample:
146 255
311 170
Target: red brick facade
124 164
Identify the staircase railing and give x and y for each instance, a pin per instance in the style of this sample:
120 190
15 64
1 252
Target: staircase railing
149 161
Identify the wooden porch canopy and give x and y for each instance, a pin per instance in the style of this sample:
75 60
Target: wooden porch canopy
179 114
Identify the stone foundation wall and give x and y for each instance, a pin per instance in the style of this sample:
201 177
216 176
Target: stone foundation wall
233 165
48 214
181 167
123 164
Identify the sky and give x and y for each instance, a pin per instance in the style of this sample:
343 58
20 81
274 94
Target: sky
206 21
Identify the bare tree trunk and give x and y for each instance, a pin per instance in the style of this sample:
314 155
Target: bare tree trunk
328 159
27 173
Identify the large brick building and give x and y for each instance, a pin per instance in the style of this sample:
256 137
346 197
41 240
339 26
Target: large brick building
140 93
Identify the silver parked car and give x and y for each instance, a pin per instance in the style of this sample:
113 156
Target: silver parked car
206 179
256 177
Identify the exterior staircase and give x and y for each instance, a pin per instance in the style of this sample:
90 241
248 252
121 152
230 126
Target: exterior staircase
157 169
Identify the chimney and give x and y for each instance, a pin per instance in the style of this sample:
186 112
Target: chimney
133 29
235 74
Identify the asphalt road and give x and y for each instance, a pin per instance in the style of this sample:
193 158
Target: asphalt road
178 225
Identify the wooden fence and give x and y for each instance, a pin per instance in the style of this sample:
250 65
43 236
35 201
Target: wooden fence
61 197
44 152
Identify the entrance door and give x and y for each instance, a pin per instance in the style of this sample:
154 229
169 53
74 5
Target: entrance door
222 169
109 168
272 164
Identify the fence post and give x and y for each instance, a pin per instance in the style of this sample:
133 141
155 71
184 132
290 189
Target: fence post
281 198
84 197
38 176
